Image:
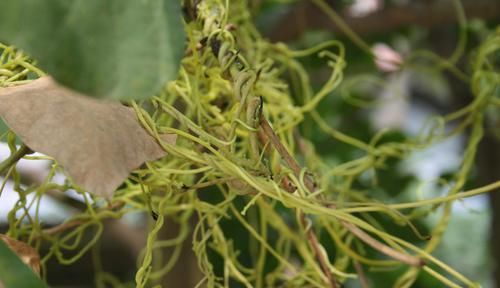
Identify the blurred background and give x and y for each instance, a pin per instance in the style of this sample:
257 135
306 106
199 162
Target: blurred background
393 29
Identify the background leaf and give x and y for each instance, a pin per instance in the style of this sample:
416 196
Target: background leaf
14 273
120 49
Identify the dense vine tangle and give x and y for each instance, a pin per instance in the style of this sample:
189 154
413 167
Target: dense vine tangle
238 136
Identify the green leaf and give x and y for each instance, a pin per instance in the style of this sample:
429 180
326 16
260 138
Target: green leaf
3 127
118 49
14 273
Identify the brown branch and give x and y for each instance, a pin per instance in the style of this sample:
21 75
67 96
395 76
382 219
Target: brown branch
287 157
382 248
75 222
62 227
361 274
419 13
313 240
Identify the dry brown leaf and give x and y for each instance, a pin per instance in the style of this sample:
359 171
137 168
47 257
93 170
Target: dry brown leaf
26 253
98 142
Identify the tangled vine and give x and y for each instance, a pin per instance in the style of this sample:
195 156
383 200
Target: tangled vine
239 137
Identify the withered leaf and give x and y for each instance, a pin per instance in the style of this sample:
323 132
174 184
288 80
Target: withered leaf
98 142
26 253
15 258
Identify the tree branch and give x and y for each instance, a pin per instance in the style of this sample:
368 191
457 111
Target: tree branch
313 240
419 13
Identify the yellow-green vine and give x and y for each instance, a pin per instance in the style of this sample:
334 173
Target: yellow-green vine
214 107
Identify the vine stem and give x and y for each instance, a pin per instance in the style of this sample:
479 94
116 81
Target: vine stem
74 222
14 157
359 233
